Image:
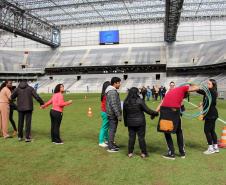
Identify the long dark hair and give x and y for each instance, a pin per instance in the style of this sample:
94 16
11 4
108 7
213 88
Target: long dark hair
2 85
105 85
214 85
57 88
132 96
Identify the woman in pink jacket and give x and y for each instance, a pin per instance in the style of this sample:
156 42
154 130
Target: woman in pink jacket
56 112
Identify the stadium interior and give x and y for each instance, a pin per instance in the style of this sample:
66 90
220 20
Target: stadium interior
83 43
159 41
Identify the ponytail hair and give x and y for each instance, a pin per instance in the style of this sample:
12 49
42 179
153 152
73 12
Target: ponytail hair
105 85
214 85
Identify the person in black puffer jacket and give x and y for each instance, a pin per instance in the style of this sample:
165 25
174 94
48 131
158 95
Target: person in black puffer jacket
133 113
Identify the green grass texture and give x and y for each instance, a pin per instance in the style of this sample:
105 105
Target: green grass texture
81 161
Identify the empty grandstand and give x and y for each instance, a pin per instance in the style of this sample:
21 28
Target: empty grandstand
151 50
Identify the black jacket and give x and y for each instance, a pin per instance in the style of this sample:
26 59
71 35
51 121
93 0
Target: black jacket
169 114
134 114
25 94
153 91
212 113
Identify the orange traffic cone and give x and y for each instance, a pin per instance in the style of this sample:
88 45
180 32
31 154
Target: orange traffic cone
89 113
85 97
200 108
222 143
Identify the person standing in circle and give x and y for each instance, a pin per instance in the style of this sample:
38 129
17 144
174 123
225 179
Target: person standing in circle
4 108
210 117
170 121
25 94
56 113
114 111
134 118
13 107
105 122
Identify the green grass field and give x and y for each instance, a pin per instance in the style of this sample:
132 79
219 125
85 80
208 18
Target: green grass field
81 161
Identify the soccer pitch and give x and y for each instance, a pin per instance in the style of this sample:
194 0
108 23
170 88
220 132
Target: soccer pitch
81 161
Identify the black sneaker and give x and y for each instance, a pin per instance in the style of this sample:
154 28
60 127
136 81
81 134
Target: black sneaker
116 147
113 150
169 156
182 155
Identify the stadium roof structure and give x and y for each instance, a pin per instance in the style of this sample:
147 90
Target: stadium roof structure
64 14
71 13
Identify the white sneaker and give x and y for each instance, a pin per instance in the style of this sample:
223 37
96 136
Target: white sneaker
103 145
216 150
209 151
106 142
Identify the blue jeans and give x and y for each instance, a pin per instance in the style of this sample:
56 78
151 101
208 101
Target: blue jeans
148 96
160 96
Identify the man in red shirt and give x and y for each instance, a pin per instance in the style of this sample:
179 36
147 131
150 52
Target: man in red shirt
175 96
170 118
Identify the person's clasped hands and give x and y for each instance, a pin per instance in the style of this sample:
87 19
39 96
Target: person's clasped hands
154 115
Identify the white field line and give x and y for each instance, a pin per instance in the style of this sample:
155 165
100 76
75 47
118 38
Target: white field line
196 106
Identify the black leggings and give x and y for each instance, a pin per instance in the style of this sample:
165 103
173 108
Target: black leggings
209 130
11 119
56 118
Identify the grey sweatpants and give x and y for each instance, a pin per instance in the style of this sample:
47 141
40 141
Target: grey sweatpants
113 123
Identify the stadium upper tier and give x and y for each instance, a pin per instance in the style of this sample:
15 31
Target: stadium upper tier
197 54
18 61
106 57
177 55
